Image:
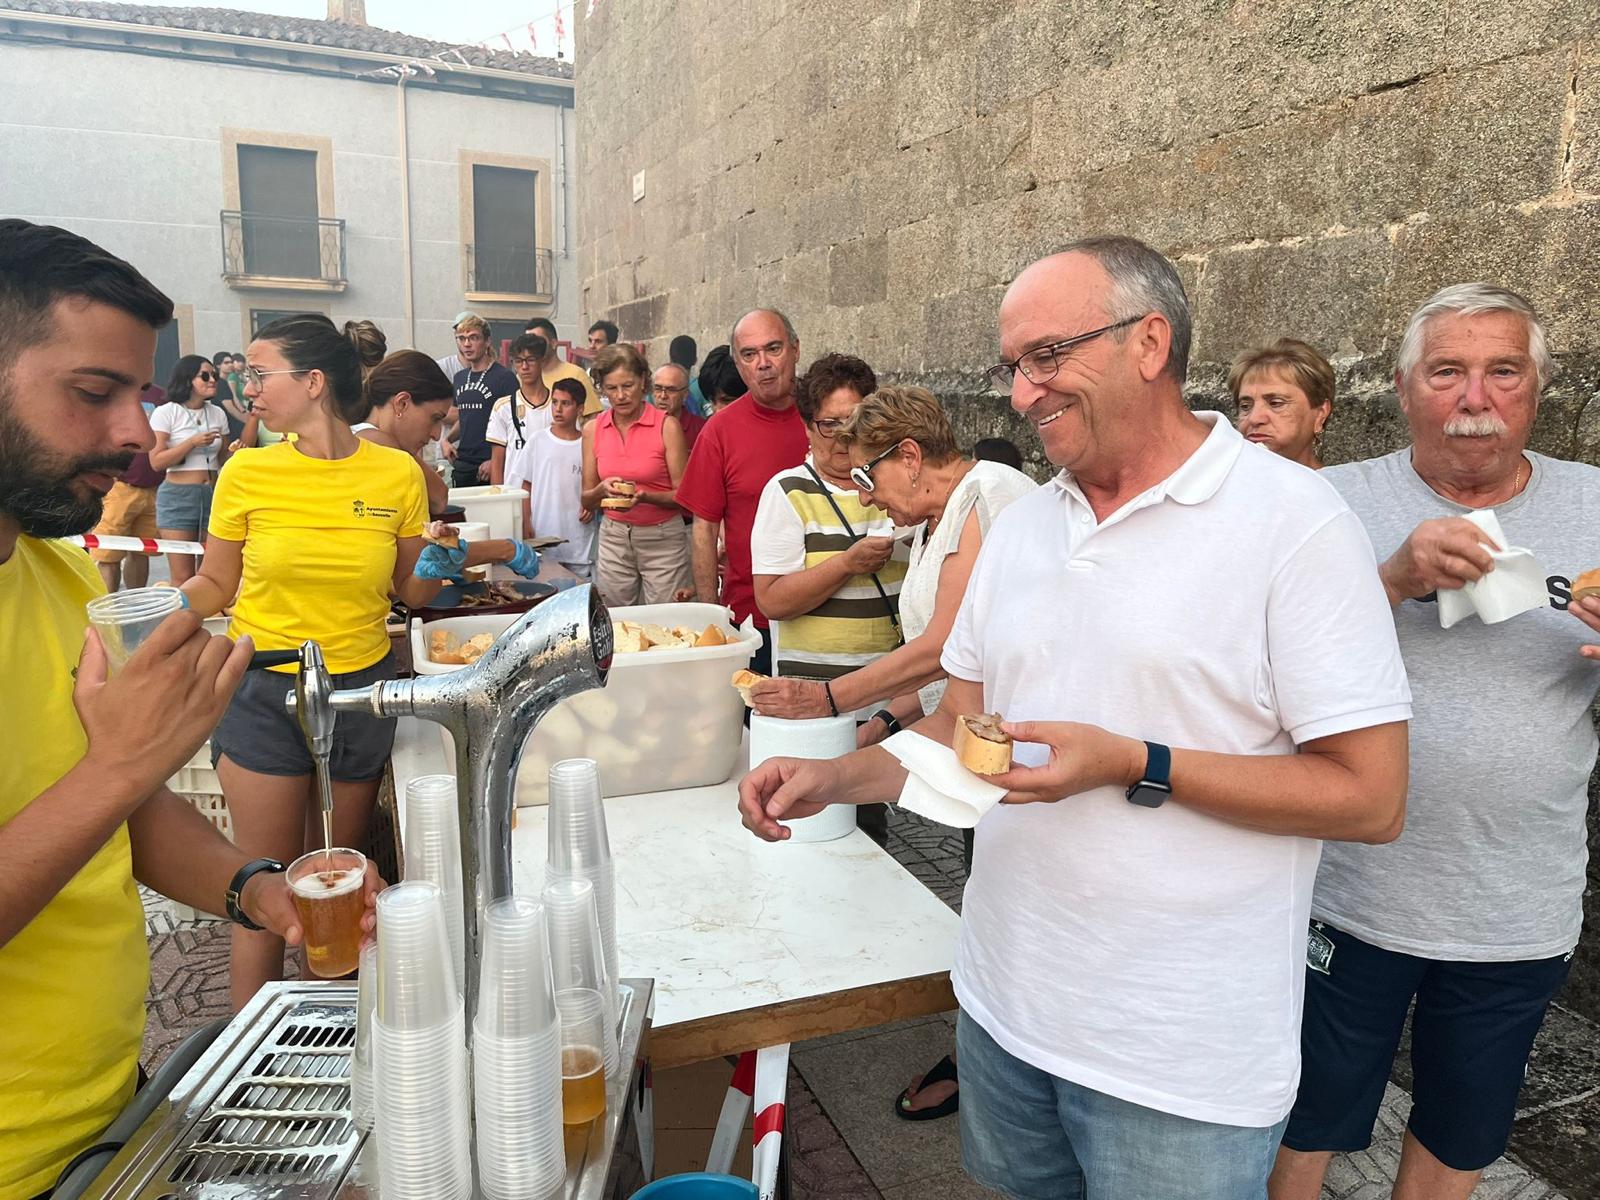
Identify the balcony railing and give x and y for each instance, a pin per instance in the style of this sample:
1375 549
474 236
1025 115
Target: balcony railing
303 249
510 270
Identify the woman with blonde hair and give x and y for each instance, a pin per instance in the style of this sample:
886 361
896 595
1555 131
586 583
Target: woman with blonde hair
1285 396
633 460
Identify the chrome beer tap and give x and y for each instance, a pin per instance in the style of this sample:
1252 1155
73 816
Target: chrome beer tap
554 651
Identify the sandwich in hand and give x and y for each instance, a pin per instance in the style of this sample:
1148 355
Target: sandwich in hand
744 680
1587 584
628 498
441 534
981 745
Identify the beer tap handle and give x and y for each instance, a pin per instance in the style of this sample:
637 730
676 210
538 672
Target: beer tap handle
262 659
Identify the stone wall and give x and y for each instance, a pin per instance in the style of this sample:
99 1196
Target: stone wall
881 172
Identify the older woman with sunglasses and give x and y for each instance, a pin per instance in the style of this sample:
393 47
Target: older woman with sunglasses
906 462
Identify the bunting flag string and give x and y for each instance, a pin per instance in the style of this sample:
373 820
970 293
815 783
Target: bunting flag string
527 35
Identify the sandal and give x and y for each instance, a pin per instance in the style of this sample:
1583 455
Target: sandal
943 1071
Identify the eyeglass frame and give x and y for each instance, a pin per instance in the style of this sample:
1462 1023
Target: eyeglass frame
862 476
829 427
1003 387
254 375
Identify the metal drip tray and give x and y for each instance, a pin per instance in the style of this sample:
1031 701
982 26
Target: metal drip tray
264 1112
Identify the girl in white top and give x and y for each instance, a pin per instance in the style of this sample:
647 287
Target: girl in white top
903 446
191 446
551 471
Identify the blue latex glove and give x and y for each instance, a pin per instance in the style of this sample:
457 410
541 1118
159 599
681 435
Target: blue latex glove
526 561
441 562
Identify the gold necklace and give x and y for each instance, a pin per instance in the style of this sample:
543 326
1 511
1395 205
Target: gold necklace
1516 478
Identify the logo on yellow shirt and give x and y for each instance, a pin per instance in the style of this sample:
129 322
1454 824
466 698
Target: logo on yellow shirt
380 511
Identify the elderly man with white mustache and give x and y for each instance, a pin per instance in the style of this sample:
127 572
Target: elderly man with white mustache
1474 911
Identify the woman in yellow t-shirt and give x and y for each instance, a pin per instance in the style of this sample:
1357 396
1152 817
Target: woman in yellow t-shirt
313 536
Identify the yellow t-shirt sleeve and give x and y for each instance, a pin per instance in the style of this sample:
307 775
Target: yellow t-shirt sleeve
415 516
229 504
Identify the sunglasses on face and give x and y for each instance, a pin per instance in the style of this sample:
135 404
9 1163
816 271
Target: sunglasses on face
862 476
207 376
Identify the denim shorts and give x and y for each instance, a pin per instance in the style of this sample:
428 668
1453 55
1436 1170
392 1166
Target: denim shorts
184 506
259 735
1471 1034
1034 1136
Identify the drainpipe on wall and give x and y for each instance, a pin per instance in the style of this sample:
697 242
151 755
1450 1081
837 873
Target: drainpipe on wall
561 177
405 207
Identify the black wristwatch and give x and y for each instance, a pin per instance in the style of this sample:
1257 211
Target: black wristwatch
888 719
1152 791
241 877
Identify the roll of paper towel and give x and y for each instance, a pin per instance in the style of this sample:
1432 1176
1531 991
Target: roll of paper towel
822 737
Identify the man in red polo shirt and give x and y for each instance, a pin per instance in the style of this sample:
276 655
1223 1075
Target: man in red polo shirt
742 447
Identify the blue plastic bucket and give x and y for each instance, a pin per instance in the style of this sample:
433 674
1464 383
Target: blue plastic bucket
698 1186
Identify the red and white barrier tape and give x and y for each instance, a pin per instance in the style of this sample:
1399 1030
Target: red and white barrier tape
772 1080
96 541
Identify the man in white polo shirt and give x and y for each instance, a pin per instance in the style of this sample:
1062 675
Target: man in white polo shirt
1195 657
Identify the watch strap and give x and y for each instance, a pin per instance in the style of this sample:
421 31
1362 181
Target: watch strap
889 720
1155 785
242 876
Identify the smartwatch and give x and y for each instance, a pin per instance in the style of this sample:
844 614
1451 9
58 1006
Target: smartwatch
241 877
1152 790
888 719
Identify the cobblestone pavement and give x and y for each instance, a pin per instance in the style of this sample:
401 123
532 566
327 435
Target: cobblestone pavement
857 1074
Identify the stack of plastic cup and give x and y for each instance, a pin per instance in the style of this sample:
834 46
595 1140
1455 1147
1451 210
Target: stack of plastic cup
433 853
361 1060
124 619
516 1058
580 849
578 965
419 1053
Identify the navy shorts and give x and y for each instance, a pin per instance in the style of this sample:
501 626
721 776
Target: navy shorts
1471 1034
259 735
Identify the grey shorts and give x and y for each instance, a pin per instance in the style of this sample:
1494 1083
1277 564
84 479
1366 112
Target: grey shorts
259 735
184 506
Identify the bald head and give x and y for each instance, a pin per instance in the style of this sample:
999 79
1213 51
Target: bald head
766 351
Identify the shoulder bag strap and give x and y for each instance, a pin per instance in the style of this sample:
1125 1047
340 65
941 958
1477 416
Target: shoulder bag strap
894 616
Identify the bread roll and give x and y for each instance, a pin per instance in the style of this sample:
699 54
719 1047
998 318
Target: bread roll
712 636
618 502
441 534
981 745
444 647
1587 584
744 680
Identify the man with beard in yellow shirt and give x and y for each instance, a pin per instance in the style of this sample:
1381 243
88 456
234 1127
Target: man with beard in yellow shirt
84 808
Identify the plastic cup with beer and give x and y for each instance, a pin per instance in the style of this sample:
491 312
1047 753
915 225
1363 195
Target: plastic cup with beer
577 963
433 853
330 898
125 619
583 1072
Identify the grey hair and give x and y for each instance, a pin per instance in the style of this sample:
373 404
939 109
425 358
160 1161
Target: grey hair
1470 299
788 326
1143 280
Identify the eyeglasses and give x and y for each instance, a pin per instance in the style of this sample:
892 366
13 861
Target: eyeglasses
828 427
254 375
862 476
664 390
1040 365
207 376
525 362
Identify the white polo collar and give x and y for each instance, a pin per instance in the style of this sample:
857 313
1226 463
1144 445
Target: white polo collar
1196 481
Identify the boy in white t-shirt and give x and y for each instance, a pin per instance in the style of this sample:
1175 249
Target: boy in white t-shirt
516 420
550 469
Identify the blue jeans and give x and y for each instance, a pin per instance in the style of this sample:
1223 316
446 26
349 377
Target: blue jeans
1033 1136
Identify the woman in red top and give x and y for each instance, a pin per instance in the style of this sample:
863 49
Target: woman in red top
633 459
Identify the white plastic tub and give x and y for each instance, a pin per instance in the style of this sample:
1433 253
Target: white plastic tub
665 719
500 508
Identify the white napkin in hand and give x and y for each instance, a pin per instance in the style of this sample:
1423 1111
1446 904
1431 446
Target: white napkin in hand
1516 585
939 787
